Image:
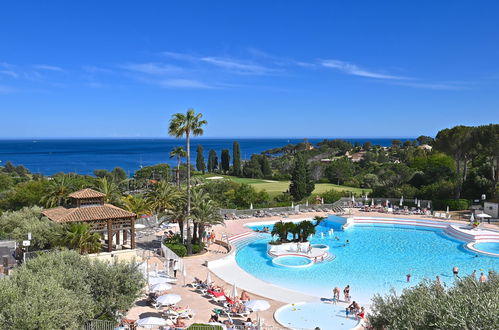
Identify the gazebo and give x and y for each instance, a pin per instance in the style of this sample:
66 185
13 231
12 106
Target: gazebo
88 206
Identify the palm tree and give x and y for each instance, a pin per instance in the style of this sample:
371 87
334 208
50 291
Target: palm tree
79 237
136 204
163 196
110 189
178 214
205 212
180 125
305 229
178 152
57 192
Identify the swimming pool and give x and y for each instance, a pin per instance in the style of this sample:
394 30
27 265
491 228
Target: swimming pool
377 258
490 247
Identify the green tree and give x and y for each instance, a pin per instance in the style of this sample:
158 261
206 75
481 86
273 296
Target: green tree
236 159
225 161
301 184
58 190
77 236
163 196
424 140
136 204
339 170
185 125
118 175
155 172
179 153
110 189
212 161
265 164
253 168
205 212
200 165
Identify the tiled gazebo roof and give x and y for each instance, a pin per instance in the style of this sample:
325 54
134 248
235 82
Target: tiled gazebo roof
86 193
87 213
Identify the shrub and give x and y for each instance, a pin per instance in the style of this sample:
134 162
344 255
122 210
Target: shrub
453 204
201 326
197 248
178 249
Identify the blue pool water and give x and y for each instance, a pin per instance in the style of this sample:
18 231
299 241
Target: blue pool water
492 247
311 315
377 258
293 261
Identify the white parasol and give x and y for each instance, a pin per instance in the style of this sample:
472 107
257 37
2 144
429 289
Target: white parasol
168 299
161 287
150 322
234 291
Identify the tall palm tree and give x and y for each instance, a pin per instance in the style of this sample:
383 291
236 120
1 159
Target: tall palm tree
163 196
79 237
205 212
58 190
110 189
178 152
187 124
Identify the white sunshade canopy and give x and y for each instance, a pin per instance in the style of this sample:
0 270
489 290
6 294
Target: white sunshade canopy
257 305
483 215
149 322
168 299
161 287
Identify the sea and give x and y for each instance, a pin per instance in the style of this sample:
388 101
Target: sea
83 156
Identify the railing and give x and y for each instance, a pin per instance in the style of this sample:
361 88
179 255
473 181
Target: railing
99 325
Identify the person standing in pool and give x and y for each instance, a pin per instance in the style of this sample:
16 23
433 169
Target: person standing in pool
408 278
437 283
474 274
483 278
455 271
346 292
336 293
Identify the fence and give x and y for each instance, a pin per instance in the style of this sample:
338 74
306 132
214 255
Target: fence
99 325
111 325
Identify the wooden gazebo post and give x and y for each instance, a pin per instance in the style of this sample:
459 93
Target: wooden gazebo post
132 233
109 235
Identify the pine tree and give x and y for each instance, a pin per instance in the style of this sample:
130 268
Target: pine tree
200 165
236 159
225 161
212 161
301 184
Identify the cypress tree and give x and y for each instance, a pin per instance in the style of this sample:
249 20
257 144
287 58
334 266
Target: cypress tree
266 170
301 184
225 161
236 159
212 161
200 165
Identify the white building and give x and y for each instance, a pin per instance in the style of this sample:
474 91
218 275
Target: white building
491 209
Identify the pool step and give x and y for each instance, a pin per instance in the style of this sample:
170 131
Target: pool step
245 238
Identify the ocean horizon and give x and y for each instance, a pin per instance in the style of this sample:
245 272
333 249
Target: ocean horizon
84 155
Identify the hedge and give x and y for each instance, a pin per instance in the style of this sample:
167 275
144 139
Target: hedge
453 204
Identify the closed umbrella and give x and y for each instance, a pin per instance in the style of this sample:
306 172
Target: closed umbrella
292 205
306 203
322 200
168 299
472 218
208 278
353 199
150 322
415 200
401 201
234 291
387 203
447 208
419 204
251 206
372 201
429 204
161 287
184 274
139 226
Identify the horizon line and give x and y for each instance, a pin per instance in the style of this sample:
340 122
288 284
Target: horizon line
202 138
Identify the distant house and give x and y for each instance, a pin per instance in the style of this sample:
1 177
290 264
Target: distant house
425 147
356 157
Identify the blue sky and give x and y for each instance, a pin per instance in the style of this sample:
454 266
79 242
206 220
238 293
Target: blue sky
253 68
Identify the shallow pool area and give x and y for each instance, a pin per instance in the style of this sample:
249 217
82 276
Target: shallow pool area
312 315
376 257
488 247
292 262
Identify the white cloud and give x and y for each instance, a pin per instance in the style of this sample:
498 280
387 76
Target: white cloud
183 83
236 66
48 67
10 73
353 69
153 68
430 85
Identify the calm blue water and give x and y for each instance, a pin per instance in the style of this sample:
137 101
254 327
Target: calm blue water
377 258
492 247
84 156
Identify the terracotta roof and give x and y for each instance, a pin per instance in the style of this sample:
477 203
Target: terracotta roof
86 193
87 213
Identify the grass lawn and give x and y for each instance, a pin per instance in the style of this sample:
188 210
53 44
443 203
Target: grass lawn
276 187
